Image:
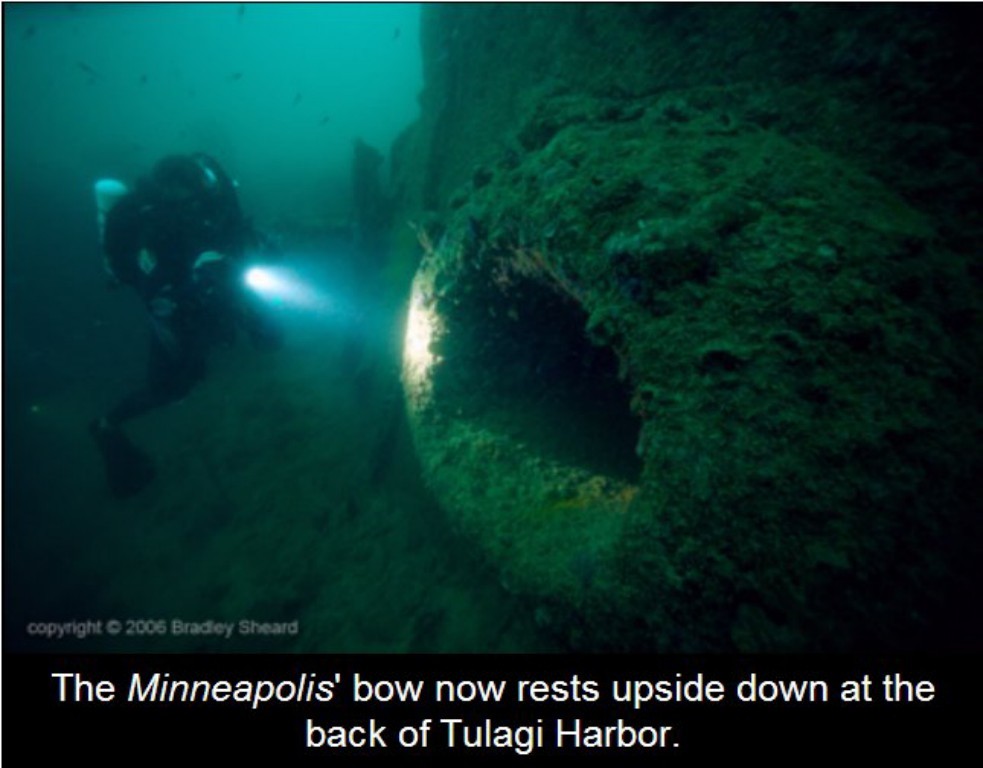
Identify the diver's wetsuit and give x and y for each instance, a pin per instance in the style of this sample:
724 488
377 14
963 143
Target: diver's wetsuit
153 238
173 368
178 239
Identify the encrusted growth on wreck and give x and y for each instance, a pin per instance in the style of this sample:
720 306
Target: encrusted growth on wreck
699 372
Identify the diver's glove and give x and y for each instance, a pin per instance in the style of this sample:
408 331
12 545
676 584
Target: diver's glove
216 286
212 277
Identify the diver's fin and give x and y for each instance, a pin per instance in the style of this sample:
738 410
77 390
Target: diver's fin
128 469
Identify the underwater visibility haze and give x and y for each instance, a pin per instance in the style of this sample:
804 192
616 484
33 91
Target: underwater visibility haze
264 505
609 327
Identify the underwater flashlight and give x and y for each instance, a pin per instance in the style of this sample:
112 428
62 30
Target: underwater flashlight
261 280
282 286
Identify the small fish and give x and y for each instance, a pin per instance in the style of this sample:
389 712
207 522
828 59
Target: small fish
242 11
87 69
298 98
143 79
29 32
235 76
325 120
396 33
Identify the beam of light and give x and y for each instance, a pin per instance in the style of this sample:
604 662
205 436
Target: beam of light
283 286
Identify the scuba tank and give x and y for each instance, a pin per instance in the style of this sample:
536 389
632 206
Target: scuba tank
108 192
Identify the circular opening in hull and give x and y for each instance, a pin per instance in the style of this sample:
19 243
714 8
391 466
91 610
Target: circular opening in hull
515 356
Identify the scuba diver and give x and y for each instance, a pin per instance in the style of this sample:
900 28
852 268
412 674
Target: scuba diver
179 239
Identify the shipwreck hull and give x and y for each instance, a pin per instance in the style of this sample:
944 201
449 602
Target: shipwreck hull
692 374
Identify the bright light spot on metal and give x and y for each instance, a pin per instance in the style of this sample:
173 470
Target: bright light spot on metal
421 326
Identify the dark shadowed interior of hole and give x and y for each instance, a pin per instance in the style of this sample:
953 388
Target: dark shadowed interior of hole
519 361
